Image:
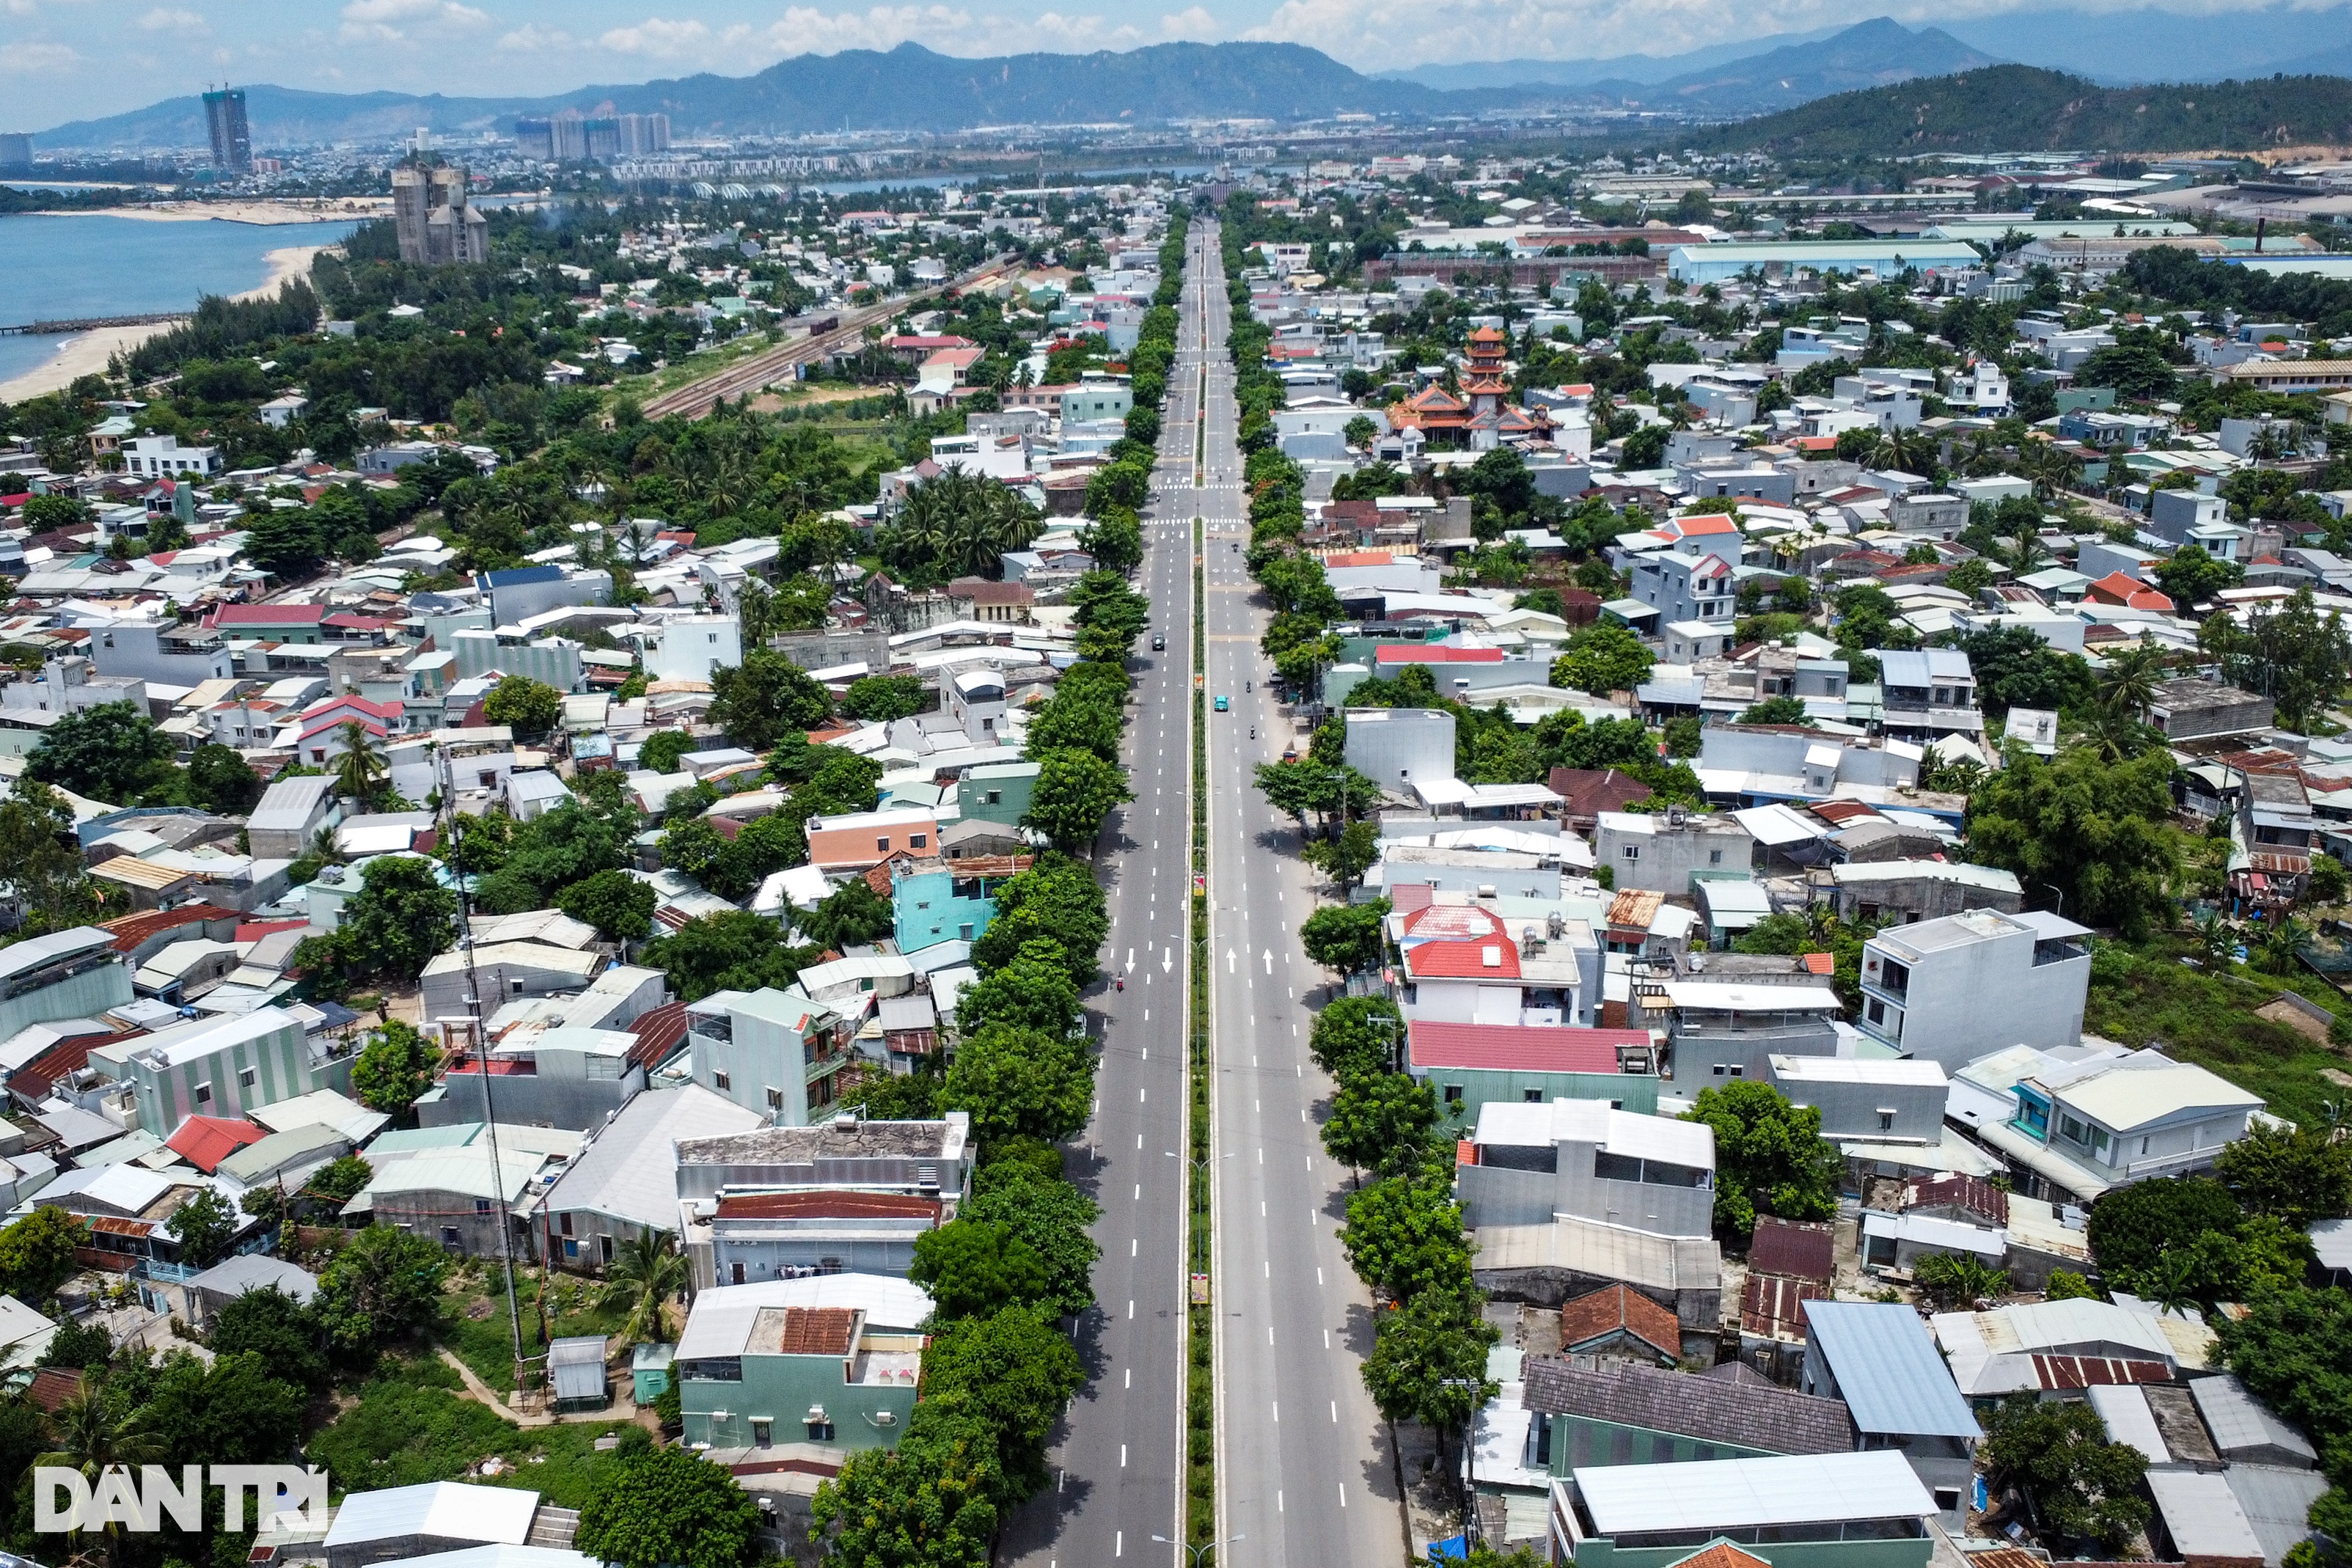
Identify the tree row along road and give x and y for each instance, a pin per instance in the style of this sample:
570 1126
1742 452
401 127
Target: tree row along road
697 398
1118 1458
1306 1477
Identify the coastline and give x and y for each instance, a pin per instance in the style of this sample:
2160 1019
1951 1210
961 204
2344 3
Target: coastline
261 214
89 354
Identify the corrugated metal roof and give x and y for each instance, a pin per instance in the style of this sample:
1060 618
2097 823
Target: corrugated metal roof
2203 1515
1733 1494
1887 1370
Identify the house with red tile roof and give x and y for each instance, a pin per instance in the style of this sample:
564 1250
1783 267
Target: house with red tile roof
205 1142
1469 1066
1618 1323
2128 593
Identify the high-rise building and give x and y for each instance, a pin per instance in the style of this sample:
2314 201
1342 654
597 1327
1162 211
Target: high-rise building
436 223
16 152
232 138
643 133
569 133
602 136
535 138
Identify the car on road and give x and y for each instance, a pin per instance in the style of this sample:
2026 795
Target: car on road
1223 703
1158 645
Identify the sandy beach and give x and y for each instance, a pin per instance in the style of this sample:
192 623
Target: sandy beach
264 213
89 354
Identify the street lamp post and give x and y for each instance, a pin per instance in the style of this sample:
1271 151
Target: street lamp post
1196 1550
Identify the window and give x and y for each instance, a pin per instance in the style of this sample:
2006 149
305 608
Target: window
883 843
563 1224
203 1094
482 1205
735 1274
1715 857
919 840
1531 1095
994 798
1453 1094
1630 852
448 1236
720 1082
963 932
246 1077
819 1431
763 1428
1877 1011
1885 1121
775 1099
1739 1069
1719 1069
570 1248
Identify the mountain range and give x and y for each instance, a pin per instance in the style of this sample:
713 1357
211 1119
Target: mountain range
915 90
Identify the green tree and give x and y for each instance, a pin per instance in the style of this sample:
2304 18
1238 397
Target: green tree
273 1326
361 771
2295 655
1115 542
1056 897
108 753
1014 1366
1769 1157
1405 1233
92 1434
40 859
2292 1349
286 545
733 951
1429 1363
1034 993
669 1508
1953 1279
2091 829
2298 1175
401 918
755 702
339 1181
1775 710
2083 1486
203 1225
383 1285
1603 659
1021 1083
1346 938
2130 1227
392 1068
647 1272
2065 1285
37 1253
79 1346
2189 576
883 696
850 916
529 708
621 906
660 750
1050 1217
1346 858
221 781
1356 1034
239 1410
973 1268
1379 1120
932 1502
1075 793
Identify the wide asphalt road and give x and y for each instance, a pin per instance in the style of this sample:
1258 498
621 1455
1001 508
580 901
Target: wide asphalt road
1118 1458
1305 1478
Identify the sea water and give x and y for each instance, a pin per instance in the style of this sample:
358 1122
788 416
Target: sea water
73 267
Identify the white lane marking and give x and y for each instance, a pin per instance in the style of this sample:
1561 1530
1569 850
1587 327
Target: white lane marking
1130 1309
1335 1421
1122 1448
1134 1241
1327 1339
1277 1412
1129 1381
1139 1191
1319 1278
1343 1494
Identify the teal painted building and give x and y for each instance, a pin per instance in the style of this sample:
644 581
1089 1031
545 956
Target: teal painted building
996 792
224 1067
832 1361
933 901
72 973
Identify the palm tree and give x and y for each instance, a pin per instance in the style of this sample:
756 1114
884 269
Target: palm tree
646 1272
360 773
91 1440
2215 941
2024 552
2279 952
2115 733
2127 680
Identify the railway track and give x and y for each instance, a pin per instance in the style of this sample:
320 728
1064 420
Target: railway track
697 398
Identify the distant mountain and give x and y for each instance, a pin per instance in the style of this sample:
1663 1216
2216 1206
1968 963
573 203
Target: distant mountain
1867 55
2121 48
907 89
1640 70
2006 108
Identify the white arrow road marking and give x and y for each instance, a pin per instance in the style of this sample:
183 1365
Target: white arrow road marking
1229 961
1167 961
1269 961
1131 960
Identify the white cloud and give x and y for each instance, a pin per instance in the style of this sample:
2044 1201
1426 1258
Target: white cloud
38 57
395 21
533 39
659 37
1193 23
184 23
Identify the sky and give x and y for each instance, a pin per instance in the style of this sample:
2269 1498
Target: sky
74 59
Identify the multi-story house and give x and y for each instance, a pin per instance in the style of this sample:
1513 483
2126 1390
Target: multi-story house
223 1066
1928 692
933 901
831 1362
1526 1162
1949 990
776 1052
1664 852
1683 586
2080 1128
